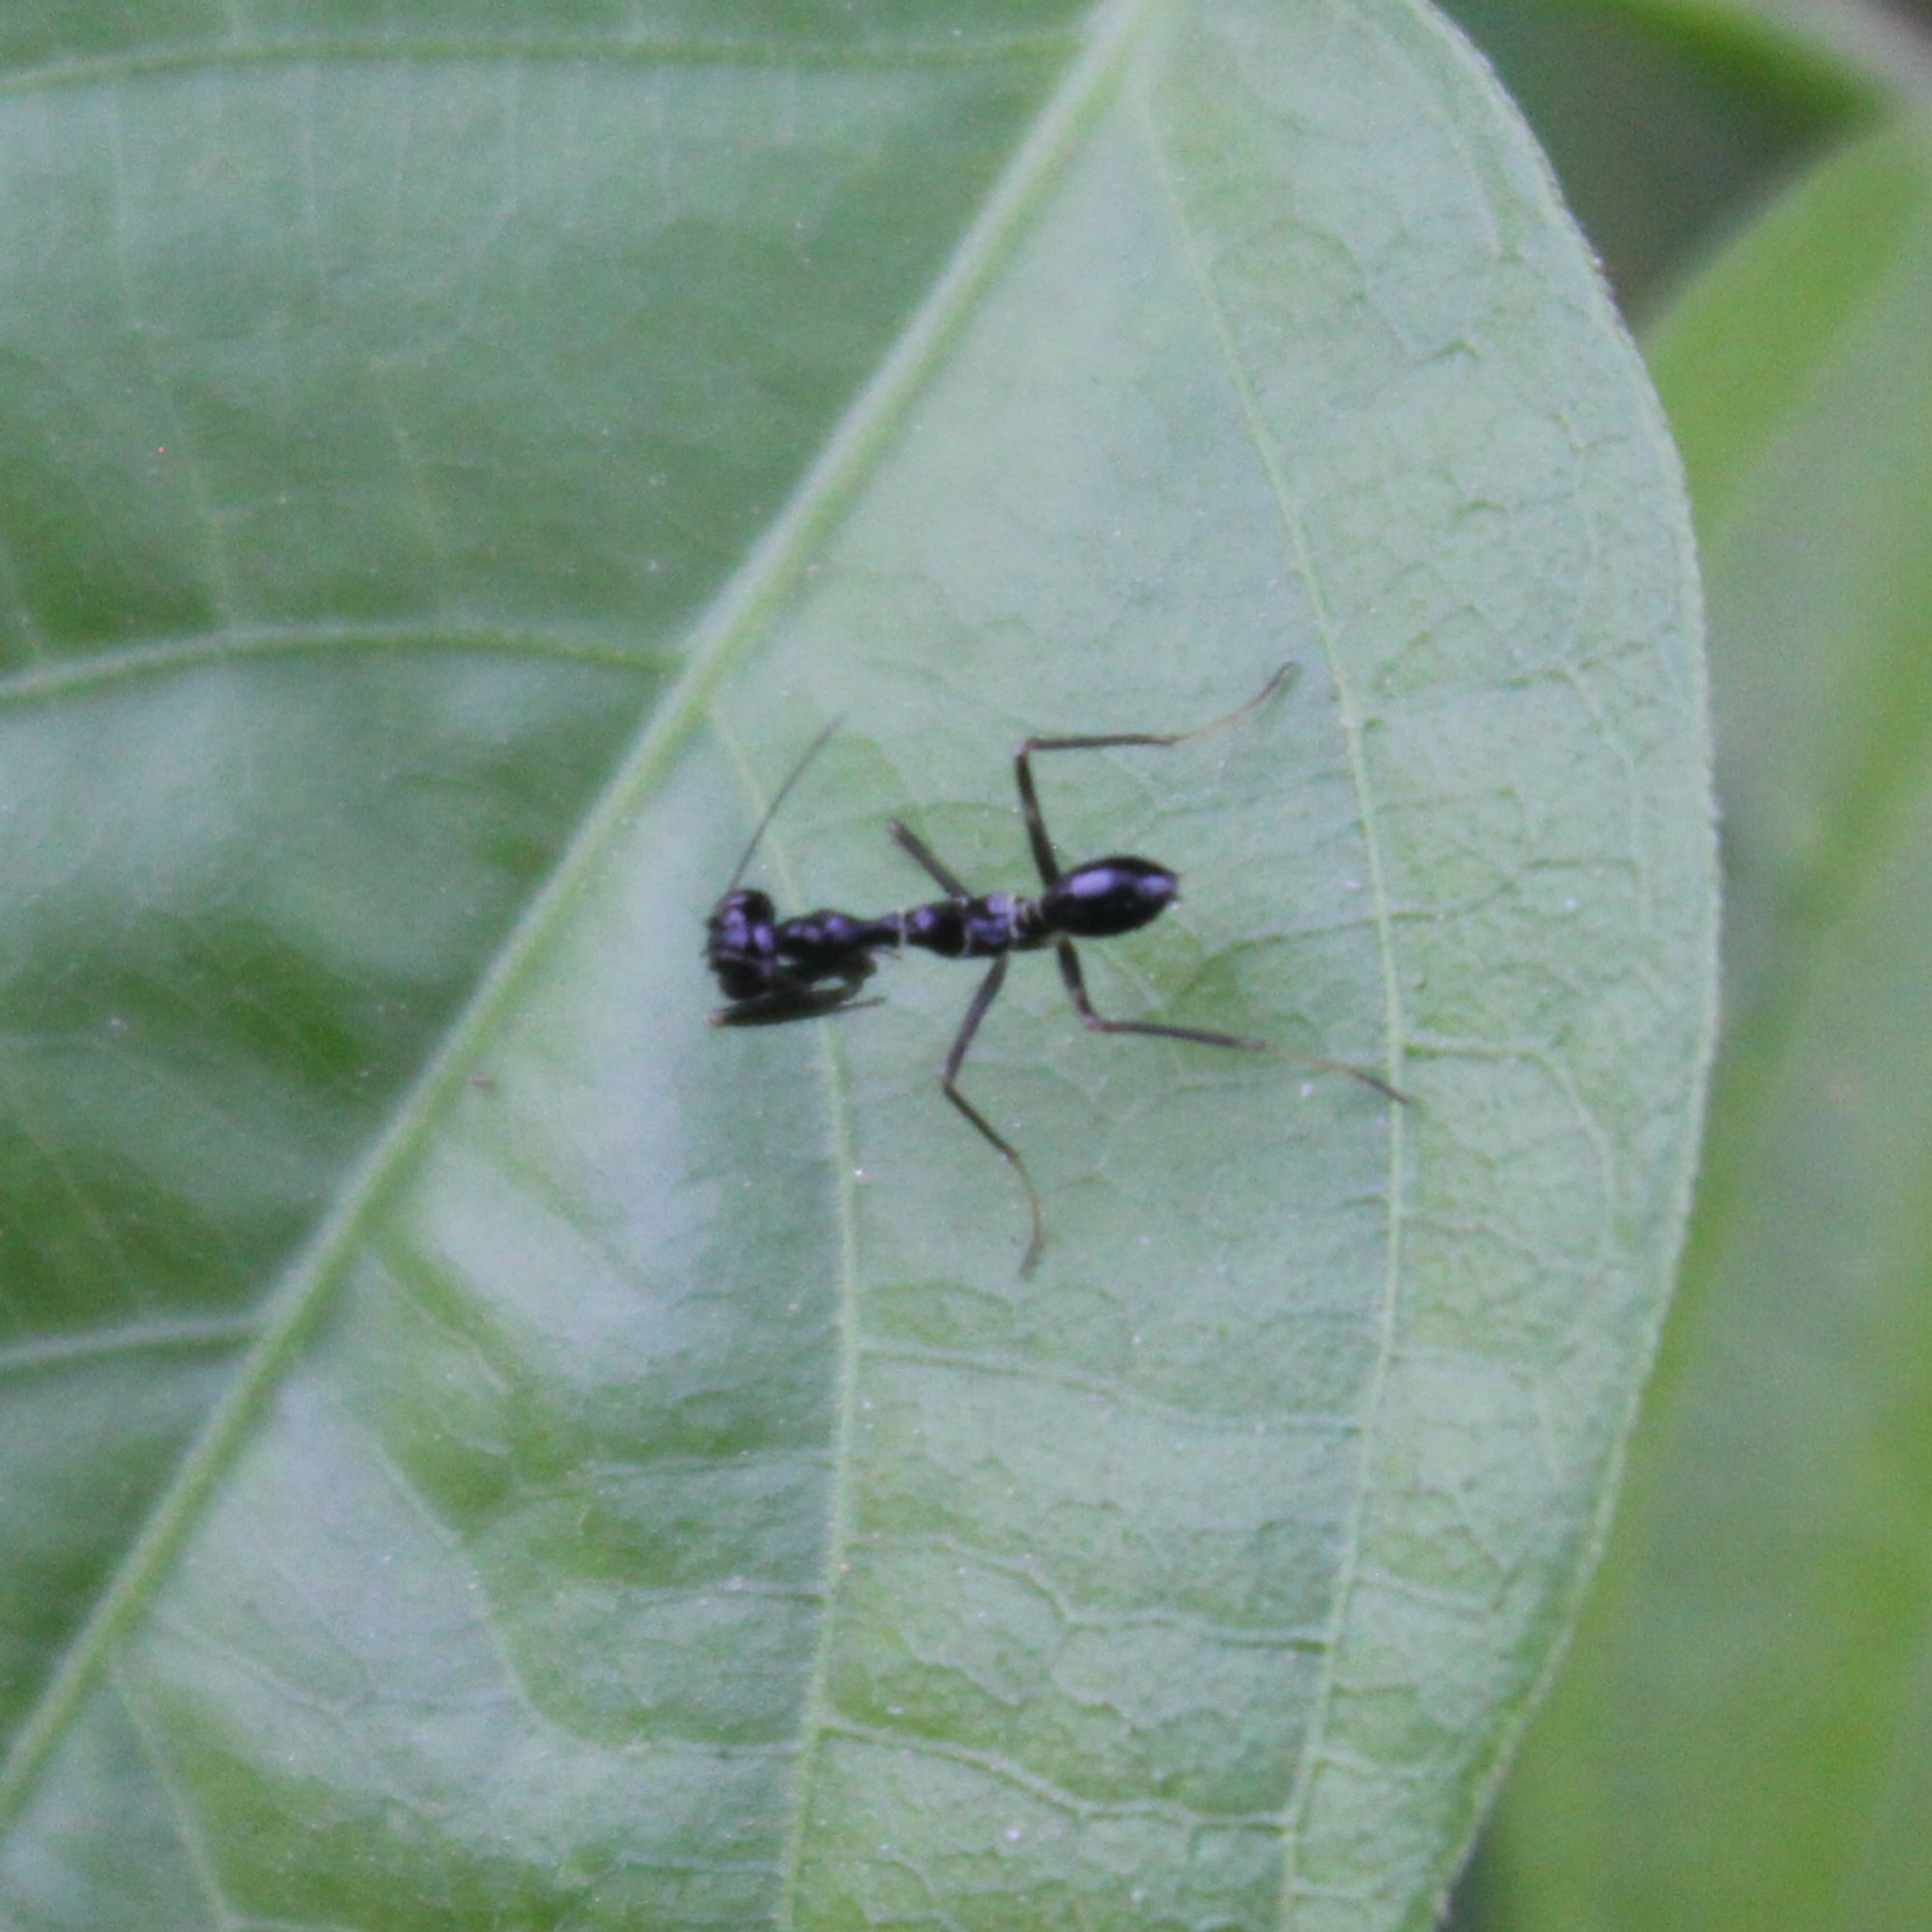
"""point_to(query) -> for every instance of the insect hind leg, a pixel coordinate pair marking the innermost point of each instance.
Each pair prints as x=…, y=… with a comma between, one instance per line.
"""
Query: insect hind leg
x=1076, y=991
x=1044, y=857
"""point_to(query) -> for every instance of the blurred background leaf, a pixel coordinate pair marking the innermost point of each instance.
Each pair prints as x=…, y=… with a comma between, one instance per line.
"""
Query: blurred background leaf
x=1742, y=1735
x=1666, y=123
x=476, y=1446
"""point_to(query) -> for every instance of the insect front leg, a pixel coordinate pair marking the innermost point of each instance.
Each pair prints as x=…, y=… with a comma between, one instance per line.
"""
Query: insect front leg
x=915, y=848
x=787, y=999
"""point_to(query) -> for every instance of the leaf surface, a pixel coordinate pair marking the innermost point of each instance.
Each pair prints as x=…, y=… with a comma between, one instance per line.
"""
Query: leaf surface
x=485, y=1448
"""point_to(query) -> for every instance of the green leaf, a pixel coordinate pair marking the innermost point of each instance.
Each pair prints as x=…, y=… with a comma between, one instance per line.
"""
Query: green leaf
x=484, y=1448
x=1739, y=1740
x=1670, y=121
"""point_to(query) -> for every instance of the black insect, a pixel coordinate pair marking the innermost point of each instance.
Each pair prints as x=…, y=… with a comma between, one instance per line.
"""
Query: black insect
x=772, y=970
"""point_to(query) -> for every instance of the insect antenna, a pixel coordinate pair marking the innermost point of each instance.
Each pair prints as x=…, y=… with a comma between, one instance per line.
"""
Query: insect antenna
x=796, y=773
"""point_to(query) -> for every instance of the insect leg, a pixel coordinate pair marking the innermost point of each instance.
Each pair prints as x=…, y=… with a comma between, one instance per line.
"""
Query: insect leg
x=789, y=999
x=916, y=847
x=1076, y=991
x=1044, y=854
x=990, y=988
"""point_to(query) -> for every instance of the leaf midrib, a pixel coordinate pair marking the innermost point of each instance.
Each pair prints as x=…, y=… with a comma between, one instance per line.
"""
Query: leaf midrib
x=729, y=625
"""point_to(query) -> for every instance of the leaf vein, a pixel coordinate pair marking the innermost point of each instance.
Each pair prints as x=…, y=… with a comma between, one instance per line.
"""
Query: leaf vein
x=1294, y=1819
x=57, y=1352
x=239, y=643
x=460, y=51
x=744, y=602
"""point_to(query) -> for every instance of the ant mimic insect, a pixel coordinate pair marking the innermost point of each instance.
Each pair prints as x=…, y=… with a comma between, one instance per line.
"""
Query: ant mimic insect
x=772, y=970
